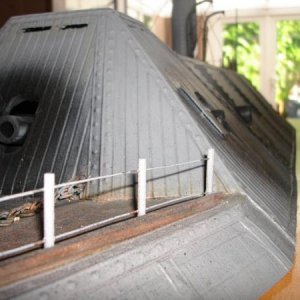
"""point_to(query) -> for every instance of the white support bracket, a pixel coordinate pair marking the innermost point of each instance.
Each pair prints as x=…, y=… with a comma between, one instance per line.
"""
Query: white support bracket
x=142, y=187
x=209, y=171
x=49, y=210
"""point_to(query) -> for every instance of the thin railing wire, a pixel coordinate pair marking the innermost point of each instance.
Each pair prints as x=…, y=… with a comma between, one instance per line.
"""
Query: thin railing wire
x=21, y=249
x=176, y=165
x=32, y=192
x=102, y=223
x=92, y=179
x=94, y=226
x=19, y=195
x=173, y=201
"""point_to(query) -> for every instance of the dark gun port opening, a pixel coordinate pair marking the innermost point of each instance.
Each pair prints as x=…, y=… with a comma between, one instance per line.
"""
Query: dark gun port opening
x=15, y=123
x=7, y=129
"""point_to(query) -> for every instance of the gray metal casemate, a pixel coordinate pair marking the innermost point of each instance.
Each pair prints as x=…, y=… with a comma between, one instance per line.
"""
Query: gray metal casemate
x=88, y=93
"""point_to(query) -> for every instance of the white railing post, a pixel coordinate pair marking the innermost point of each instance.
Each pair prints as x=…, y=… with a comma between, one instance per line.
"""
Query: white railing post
x=209, y=171
x=49, y=219
x=142, y=187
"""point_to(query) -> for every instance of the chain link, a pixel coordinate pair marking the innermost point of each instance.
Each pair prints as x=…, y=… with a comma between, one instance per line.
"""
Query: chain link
x=31, y=208
x=26, y=210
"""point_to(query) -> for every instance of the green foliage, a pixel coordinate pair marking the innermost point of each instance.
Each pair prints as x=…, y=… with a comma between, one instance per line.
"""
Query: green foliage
x=241, y=50
x=288, y=57
x=148, y=21
x=242, y=42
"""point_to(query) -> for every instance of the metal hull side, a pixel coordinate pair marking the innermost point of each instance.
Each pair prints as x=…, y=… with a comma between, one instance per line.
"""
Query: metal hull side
x=229, y=252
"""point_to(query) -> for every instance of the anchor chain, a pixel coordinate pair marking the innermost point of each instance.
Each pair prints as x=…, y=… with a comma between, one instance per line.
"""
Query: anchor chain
x=26, y=210
x=69, y=193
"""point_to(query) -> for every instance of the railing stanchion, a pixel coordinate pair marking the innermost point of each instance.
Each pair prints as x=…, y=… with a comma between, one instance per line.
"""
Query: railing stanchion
x=49, y=219
x=142, y=187
x=209, y=171
x=49, y=201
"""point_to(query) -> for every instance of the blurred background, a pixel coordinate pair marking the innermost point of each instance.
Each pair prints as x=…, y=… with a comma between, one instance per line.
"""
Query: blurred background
x=259, y=39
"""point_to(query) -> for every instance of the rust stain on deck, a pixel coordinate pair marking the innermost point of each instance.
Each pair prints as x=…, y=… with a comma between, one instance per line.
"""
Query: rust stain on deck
x=31, y=264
